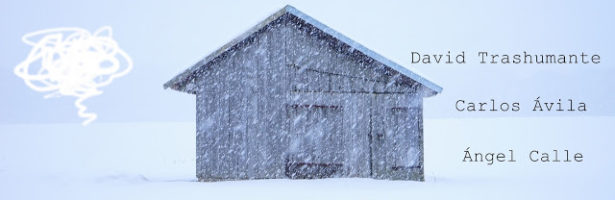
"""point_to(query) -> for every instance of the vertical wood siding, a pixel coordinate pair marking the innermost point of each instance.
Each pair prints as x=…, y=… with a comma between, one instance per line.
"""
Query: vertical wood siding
x=289, y=104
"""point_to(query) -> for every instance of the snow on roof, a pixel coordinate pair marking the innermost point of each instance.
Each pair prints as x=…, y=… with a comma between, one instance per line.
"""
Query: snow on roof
x=179, y=82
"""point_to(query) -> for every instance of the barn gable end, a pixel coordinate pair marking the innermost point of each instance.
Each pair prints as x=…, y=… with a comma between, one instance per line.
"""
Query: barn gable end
x=291, y=16
x=292, y=98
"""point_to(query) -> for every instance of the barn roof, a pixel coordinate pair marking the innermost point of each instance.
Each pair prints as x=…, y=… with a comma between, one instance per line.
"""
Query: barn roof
x=180, y=81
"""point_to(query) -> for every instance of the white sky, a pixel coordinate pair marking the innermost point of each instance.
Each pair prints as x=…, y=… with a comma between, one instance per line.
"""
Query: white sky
x=164, y=38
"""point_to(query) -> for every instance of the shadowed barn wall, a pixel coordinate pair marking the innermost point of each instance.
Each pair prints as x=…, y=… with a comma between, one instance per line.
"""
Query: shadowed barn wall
x=291, y=101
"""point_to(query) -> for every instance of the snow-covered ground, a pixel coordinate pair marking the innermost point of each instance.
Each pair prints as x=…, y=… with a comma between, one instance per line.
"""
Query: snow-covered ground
x=156, y=161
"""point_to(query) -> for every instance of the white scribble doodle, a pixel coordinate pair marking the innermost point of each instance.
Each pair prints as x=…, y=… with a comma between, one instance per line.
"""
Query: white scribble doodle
x=72, y=62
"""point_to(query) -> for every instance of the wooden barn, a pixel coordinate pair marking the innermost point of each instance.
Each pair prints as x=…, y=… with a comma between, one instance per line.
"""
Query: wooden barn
x=292, y=98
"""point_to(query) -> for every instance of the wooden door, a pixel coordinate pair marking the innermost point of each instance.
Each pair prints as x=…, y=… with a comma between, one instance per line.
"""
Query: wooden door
x=316, y=141
x=394, y=142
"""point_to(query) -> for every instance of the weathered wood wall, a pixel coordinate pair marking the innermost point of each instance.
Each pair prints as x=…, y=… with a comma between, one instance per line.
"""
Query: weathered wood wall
x=293, y=102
